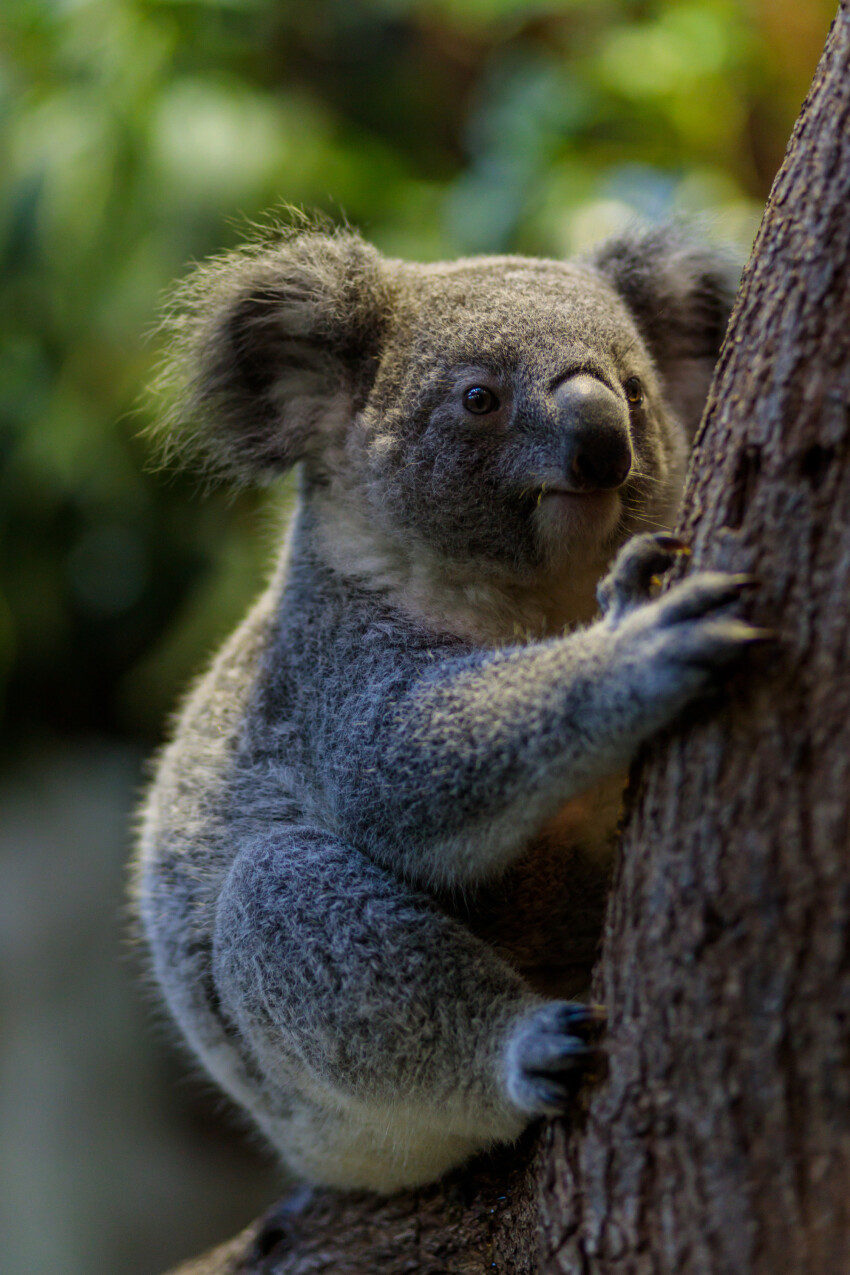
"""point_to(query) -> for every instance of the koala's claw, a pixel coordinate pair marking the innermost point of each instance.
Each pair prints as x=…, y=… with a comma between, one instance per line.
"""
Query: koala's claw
x=546, y=1053
x=579, y=1014
x=671, y=543
x=715, y=643
x=639, y=562
x=705, y=592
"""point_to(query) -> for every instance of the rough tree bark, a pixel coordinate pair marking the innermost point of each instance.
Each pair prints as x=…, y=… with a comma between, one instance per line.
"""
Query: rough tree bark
x=719, y=1142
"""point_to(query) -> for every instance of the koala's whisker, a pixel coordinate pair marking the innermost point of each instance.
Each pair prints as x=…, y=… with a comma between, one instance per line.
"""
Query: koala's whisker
x=636, y=506
x=645, y=477
x=654, y=523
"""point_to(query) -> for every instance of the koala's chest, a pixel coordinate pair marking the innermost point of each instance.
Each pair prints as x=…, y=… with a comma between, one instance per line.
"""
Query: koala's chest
x=545, y=915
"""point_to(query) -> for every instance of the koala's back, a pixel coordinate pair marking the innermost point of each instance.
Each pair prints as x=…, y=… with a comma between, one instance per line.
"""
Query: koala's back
x=185, y=842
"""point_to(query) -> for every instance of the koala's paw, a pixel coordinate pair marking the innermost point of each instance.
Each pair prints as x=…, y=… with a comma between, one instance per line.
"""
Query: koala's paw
x=629, y=582
x=546, y=1051
x=692, y=624
x=673, y=648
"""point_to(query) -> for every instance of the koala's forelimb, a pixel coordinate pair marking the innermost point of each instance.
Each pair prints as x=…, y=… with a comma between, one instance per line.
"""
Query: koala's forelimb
x=450, y=778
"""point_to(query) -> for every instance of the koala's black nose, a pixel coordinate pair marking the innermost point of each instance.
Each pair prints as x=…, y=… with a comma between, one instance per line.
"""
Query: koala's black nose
x=595, y=423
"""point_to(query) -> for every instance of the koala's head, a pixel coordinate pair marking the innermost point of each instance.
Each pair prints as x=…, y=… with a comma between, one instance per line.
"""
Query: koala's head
x=504, y=413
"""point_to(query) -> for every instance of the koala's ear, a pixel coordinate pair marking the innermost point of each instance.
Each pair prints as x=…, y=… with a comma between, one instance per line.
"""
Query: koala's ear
x=272, y=348
x=680, y=292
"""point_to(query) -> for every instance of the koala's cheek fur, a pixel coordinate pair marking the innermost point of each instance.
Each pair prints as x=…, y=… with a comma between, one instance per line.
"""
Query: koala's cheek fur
x=377, y=846
x=471, y=501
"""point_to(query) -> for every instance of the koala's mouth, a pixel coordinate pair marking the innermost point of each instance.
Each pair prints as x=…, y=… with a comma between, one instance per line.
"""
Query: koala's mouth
x=567, y=517
x=560, y=491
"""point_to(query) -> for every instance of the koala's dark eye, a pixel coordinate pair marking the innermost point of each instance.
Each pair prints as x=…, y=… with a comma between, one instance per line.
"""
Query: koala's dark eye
x=634, y=391
x=479, y=400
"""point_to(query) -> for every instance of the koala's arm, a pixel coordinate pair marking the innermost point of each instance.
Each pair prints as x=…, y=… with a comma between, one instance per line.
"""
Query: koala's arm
x=449, y=779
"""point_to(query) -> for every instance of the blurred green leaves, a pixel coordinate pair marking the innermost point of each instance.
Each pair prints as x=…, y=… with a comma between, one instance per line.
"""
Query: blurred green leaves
x=140, y=134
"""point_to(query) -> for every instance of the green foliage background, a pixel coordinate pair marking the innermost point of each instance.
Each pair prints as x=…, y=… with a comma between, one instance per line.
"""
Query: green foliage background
x=135, y=136
x=140, y=134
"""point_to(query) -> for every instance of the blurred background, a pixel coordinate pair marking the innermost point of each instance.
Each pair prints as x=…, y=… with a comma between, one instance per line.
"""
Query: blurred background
x=138, y=135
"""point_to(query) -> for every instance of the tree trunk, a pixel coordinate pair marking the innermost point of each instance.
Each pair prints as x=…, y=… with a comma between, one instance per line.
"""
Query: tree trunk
x=719, y=1142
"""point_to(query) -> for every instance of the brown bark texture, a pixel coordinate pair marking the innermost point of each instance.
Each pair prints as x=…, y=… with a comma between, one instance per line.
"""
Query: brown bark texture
x=719, y=1141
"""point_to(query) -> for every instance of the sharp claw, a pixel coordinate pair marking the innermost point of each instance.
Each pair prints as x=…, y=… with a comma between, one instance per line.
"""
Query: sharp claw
x=567, y=1060
x=570, y=1065
x=758, y=636
x=672, y=544
x=580, y=1013
x=593, y=1014
x=554, y=1096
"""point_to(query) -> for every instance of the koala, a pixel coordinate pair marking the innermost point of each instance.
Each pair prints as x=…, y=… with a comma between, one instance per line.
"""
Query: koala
x=373, y=859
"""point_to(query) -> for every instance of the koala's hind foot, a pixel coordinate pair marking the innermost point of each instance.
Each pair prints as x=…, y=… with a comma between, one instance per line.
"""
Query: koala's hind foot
x=368, y=1073
x=548, y=1051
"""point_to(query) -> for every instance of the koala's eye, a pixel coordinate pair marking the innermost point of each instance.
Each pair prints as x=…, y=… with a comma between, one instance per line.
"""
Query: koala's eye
x=479, y=400
x=634, y=391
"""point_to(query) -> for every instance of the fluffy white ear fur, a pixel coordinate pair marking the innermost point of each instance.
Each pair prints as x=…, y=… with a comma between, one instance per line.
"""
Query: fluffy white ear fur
x=270, y=348
x=681, y=295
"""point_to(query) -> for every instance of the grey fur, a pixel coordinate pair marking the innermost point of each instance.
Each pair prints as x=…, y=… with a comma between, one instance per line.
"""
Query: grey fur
x=378, y=844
